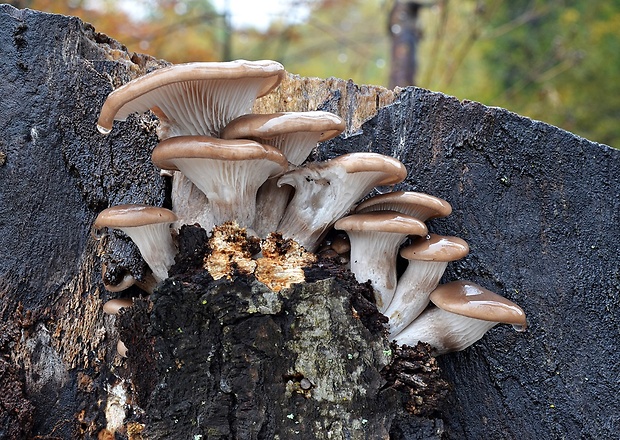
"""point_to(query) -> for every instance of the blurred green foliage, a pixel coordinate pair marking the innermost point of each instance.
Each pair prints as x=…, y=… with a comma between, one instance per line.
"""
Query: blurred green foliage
x=552, y=60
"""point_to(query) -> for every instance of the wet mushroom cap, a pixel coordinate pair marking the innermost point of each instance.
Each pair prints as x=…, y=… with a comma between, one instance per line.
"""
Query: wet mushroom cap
x=382, y=221
x=469, y=299
x=435, y=247
x=420, y=205
x=267, y=126
x=196, y=147
x=123, y=216
x=142, y=93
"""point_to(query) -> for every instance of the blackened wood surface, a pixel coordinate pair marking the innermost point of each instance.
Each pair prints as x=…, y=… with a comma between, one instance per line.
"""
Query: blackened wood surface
x=538, y=206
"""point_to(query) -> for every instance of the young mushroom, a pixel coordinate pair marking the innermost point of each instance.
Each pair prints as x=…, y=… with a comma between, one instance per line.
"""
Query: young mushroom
x=419, y=205
x=113, y=306
x=428, y=258
x=193, y=98
x=228, y=172
x=149, y=228
x=296, y=134
x=375, y=238
x=465, y=312
x=325, y=191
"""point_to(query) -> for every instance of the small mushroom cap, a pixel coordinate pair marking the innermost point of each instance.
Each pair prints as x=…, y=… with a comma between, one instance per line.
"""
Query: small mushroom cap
x=393, y=169
x=113, y=306
x=474, y=301
x=135, y=95
x=421, y=205
x=384, y=221
x=435, y=247
x=123, y=216
x=267, y=126
x=194, y=147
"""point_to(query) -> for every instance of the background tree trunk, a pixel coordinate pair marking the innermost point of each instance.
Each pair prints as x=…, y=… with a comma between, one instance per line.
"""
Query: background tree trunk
x=537, y=205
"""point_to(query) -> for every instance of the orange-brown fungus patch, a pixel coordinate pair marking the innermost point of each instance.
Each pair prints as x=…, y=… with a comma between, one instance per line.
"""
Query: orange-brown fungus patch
x=282, y=262
x=231, y=251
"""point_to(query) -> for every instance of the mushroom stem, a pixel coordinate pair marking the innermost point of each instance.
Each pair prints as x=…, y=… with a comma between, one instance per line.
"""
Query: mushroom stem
x=444, y=331
x=412, y=291
x=155, y=245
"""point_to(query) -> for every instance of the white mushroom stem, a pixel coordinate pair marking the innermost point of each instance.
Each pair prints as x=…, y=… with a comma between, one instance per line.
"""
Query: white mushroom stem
x=444, y=331
x=156, y=246
x=271, y=202
x=412, y=291
x=373, y=257
x=189, y=203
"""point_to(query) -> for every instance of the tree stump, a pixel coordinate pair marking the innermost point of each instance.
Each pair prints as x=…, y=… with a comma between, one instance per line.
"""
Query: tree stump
x=537, y=205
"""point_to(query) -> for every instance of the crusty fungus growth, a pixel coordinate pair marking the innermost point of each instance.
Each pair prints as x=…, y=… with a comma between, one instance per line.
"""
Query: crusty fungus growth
x=375, y=238
x=149, y=228
x=296, y=134
x=325, y=191
x=193, y=98
x=467, y=312
x=228, y=172
x=419, y=205
x=428, y=258
x=282, y=262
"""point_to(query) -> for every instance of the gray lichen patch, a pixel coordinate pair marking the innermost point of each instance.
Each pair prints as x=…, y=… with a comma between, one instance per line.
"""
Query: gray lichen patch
x=332, y=363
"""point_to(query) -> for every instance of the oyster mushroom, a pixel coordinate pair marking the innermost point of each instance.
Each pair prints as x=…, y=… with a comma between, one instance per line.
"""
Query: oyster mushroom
x=325, y=191
x=375, y=238
x=296, y=134
x=228, y=172
x=419, y=205
x=193, y=98
x=149, y=228
x=428, y=258
x=465, y=312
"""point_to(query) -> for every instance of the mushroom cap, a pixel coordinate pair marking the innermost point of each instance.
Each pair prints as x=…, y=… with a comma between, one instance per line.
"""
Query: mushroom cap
x=195, y=147
x=393, y=170
x=384, y=221
x=113, y=306
x=421, y=205
x=435, y=247
x=139, y=94
x=123, y=216
x=267, y=126
x=469, y=299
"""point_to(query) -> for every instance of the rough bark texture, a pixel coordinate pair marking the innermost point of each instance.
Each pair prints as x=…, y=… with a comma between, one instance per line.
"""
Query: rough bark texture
x=537, y=205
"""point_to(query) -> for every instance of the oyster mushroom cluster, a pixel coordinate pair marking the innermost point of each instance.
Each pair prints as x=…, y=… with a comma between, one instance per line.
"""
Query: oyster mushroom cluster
x=234, y=169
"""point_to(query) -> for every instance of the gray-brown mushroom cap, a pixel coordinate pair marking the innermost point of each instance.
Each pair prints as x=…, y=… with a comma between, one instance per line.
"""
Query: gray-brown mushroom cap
x=434, y=247
x=189, y=94
x=416, y=204
x=113, y=306
x=228, y=172
x=469, y=299
x=122, y=216
x=294, y=133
